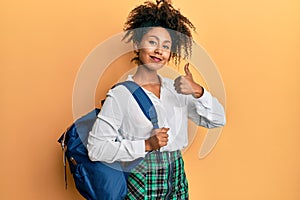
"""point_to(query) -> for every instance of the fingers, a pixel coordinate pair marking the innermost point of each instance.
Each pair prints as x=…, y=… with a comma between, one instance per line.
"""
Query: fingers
x=187, y=70
x=182, y=85
x=180, y=82
x=160, y=130
x=158, y=139
x=162, y=135
x=165, y=129
x=162, y=139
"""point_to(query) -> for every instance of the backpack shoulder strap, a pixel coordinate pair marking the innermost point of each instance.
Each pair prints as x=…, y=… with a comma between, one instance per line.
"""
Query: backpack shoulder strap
x=143, y=100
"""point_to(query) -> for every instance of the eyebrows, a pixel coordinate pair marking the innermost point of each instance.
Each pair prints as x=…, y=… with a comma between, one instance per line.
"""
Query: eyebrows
x=157, y=38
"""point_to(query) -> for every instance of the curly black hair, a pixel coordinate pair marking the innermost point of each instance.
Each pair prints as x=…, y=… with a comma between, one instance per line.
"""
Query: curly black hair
x=162, y=14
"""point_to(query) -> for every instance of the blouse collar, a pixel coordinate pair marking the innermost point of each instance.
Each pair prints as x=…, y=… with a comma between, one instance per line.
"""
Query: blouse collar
x=162, y=80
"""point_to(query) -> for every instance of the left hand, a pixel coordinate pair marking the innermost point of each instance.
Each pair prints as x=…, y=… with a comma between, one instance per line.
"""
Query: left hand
x=186, y=84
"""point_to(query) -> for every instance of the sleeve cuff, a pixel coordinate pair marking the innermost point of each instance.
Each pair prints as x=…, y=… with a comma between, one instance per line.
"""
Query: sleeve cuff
x=139, y=148
x=205, y=99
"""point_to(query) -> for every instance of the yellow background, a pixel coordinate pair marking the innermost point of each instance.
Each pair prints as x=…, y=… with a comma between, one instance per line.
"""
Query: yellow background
x=255, y=44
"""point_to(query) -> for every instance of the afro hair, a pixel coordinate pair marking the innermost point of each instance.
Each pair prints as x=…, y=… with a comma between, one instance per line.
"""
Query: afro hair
x=160, y=14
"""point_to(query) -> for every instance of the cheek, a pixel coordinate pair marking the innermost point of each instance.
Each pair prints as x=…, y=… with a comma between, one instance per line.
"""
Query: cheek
x=143, y=55
x=167, y=55
x=145, y=51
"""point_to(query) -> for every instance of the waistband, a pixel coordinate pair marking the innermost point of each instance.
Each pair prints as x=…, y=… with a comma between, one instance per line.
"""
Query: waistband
x=165, y=156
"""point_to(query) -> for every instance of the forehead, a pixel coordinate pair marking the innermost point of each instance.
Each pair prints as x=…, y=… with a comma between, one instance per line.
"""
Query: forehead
x=159, y=33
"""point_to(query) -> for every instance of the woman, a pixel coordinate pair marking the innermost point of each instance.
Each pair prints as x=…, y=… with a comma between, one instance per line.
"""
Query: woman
x=122, y=133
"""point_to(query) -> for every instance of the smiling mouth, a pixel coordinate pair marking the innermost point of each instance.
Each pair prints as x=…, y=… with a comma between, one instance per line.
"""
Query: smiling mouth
x=155, y=59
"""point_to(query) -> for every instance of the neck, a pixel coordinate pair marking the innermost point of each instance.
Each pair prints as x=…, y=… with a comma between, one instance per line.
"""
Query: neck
x=143, y=76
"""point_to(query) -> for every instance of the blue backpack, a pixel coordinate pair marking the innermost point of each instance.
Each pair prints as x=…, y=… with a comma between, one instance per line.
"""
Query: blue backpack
x=100, y=180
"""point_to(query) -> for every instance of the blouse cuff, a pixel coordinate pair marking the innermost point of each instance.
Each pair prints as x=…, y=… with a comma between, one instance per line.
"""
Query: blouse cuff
x=139, y=148
x=205, y=99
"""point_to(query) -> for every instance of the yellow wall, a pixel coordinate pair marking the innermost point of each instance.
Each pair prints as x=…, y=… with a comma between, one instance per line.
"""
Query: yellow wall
x=255, y=44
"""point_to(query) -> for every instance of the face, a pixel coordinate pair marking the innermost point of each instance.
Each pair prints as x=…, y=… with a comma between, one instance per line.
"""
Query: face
x=155, y=48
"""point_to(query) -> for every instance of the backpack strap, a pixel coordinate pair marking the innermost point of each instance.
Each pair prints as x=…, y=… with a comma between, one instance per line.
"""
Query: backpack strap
x=143, y=100
x=62, y=141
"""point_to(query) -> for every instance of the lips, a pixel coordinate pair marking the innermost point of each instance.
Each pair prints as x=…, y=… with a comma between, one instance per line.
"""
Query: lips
x=155, y=59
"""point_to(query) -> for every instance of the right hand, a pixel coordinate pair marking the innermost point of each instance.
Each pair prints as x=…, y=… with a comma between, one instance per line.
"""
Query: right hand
x=158, y=139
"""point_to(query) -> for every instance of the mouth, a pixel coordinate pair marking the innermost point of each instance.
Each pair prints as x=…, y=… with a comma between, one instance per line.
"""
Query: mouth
x=155, y=59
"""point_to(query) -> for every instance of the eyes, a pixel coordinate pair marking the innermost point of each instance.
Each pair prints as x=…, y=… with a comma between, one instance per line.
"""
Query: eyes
x=154, y=43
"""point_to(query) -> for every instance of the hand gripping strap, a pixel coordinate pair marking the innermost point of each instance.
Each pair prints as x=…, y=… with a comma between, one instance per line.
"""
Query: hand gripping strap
x=143, y=100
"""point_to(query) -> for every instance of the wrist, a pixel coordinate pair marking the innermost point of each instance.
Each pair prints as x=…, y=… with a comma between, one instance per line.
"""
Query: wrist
x=147, y=146
x=198, y=91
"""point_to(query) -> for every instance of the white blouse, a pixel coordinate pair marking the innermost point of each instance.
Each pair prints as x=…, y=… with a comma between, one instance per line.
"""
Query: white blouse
x=121, y=128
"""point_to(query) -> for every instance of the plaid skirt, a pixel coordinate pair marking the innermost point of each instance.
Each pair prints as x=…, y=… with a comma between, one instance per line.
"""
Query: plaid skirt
x=159, y=176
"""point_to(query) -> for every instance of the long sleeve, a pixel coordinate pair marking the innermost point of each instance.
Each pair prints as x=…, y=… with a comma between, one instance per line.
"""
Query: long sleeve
x=105, y=143
x=206, y=111
x=121, y=128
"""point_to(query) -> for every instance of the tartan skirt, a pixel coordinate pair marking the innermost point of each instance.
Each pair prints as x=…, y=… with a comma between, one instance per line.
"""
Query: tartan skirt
x=160, y=176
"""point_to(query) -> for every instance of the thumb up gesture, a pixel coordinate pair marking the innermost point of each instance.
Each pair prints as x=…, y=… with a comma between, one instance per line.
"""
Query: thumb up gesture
x=186, y=84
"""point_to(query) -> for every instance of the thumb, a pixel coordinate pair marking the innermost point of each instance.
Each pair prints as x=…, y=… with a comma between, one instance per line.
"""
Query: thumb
x=187, y=70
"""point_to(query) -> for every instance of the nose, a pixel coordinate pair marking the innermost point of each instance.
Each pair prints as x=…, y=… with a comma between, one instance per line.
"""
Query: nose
x=158, y=51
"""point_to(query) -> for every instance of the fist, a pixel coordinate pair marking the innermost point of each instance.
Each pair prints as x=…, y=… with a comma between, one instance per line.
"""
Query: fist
x=186, y=84
x=158, y=139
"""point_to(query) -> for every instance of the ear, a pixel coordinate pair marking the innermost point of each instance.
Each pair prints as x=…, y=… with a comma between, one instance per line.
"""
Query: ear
x=135, y=47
